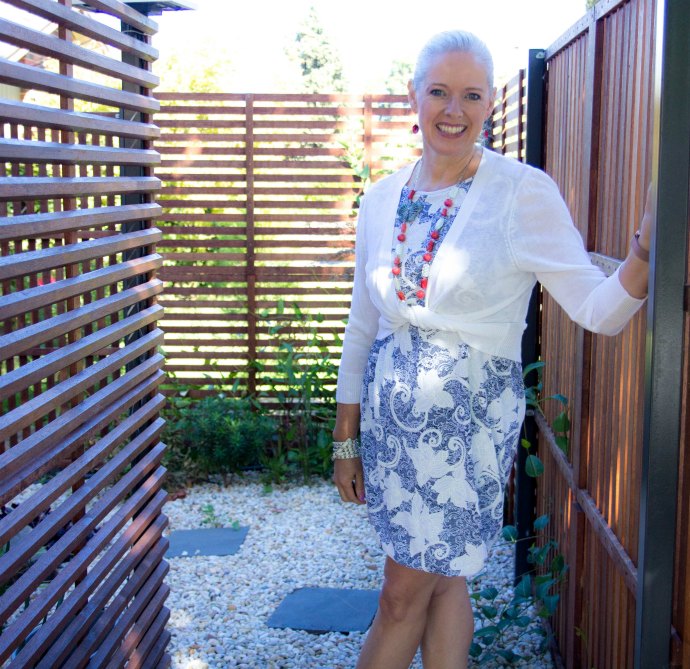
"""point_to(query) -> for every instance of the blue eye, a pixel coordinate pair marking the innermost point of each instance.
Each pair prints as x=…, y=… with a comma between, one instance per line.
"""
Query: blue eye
x=473, y=96
x=437, y=92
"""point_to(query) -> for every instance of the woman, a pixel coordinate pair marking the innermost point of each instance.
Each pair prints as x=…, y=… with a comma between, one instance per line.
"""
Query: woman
x=447, y=253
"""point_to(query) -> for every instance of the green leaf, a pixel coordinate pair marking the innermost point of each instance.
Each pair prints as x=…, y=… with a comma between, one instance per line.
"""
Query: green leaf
x=541, y=522
x=508, y=655
x=543, y=589
x=509, y=533
x=561, y=398
x=561, y=423
x=526, y=444
x=523, y=621
x=489, y=612
x=539, y=364
x=558, y=565
x=534, y=466
x=489, y=593
x=524, y=587
x=488, y=631
x=475, y=650
x=551, y=603
x=562, y=442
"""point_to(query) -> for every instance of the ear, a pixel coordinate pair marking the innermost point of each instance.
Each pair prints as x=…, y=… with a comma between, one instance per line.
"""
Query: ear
x=412, y=96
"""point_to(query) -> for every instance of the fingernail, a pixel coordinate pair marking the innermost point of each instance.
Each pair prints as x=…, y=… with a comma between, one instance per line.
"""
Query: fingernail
x=361, y=497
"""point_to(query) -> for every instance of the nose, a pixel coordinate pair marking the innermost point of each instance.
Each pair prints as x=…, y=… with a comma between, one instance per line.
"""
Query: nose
x=454, y=106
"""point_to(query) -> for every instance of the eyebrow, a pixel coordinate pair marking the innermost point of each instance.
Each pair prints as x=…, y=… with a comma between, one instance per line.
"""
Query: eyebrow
x=468, y=88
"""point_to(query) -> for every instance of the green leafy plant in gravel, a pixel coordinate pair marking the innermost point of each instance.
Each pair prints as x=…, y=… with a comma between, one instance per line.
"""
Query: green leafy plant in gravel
x=303, y=381
x=216, y=435
x=502, y=619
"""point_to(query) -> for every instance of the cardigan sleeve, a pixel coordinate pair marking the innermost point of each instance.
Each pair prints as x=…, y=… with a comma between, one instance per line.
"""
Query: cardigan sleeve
x=362, y=324
x=544, y=240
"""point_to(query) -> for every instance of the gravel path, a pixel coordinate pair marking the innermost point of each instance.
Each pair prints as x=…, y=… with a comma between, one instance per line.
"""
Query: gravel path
x=300, y=536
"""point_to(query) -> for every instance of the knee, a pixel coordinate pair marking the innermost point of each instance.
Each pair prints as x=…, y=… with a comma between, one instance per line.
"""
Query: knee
x=398, y=605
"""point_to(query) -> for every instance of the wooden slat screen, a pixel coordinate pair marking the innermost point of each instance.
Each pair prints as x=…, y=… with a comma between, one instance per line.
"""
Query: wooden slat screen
x=259, y=200
x=509, y=117
x=598, y=149
x=81, y=544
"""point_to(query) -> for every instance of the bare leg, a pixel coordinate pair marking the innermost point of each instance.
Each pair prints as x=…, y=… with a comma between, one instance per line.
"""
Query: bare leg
x=400, y=620
x=450, y=626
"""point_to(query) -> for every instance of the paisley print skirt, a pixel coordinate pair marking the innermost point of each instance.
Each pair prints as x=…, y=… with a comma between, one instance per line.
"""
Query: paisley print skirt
x=439, y=430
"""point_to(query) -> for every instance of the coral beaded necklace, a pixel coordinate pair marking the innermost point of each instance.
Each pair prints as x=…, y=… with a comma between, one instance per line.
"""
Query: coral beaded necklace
x=408, y=211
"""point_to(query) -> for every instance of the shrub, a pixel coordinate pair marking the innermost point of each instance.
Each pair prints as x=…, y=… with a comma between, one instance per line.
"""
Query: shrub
x=216, y=435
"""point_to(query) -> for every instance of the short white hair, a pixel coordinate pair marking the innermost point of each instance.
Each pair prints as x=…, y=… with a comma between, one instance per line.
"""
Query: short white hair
x=451, y=41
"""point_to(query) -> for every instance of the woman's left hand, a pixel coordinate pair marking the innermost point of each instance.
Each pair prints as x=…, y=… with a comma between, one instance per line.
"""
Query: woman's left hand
x=348, y=477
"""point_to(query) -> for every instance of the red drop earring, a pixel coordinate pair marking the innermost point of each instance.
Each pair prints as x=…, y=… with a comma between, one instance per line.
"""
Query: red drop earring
x=415, y=129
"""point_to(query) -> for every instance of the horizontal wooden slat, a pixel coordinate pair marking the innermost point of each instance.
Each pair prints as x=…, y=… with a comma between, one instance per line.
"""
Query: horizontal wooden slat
x=49, y=446
x=20, y=340
x=85, y=25
x=240, y=177
x=151, y=570
x=297, y=190
x=71, y=538
x=150, y=598
x=58, y=440
x=146, y=650
x=61, y=514
x=129, y=15
x=95, y=455
x=19, y=150
x=142, y=533
x=36, y=370
x=40, y=296
x=59, y=256
x=54, y=47
x=30, y=188
x=31, y=410
x=47, y=117
x=57, y=587
x=27, y=76
x=49, y=224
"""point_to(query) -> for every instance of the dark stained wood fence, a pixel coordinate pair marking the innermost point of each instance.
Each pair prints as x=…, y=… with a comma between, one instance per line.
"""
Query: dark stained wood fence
x=598, y=143
x=81, y=545
x=259, y=202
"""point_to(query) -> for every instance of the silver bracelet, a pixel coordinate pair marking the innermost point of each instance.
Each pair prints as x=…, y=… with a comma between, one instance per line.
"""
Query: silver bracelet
x=343, y=450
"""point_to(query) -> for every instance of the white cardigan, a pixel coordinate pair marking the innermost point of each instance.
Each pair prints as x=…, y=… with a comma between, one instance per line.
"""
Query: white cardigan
x=512, y=230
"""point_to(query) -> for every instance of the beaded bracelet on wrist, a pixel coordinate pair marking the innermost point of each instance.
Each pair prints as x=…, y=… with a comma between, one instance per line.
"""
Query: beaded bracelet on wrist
x=343, y=450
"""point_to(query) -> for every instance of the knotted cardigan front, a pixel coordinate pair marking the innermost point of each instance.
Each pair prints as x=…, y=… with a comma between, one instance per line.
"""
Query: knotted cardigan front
x=512, y=230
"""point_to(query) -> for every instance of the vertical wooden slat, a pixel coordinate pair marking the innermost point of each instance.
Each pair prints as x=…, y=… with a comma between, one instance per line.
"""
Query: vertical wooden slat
x=251, y=254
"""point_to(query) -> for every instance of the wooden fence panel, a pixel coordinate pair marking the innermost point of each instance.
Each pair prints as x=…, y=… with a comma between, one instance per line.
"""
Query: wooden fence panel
x=260, y=195
x=598, y=149
x=81, y=498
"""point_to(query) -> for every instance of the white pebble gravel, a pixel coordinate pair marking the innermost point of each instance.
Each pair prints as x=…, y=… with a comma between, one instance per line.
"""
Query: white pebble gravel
x=300, y=536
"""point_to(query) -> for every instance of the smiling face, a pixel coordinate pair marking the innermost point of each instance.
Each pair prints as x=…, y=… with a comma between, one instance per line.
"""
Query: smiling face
x=452, y=104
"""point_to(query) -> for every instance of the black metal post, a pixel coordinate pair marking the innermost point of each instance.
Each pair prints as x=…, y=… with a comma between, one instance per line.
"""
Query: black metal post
x=525, y=486
x=665, y=320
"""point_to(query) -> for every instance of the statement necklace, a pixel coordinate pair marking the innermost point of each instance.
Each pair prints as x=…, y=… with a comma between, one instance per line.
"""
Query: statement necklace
x=407, y=212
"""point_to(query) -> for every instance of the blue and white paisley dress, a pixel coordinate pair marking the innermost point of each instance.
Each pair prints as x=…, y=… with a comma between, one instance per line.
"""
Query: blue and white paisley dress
x=440, y=425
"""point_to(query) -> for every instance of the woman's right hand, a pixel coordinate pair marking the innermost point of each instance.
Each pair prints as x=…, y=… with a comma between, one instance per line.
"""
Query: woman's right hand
x=348, y=477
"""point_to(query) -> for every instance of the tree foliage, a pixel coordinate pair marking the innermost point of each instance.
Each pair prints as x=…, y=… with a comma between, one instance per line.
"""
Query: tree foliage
x=198, y=70
x=318, y=60
x=401, y=72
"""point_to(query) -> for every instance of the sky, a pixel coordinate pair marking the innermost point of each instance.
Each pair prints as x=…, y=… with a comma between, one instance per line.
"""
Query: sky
x=368, y=34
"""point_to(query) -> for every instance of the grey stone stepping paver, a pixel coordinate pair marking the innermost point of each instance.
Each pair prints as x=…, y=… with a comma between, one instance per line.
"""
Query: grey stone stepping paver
x=322, y=610
x=206, y=541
